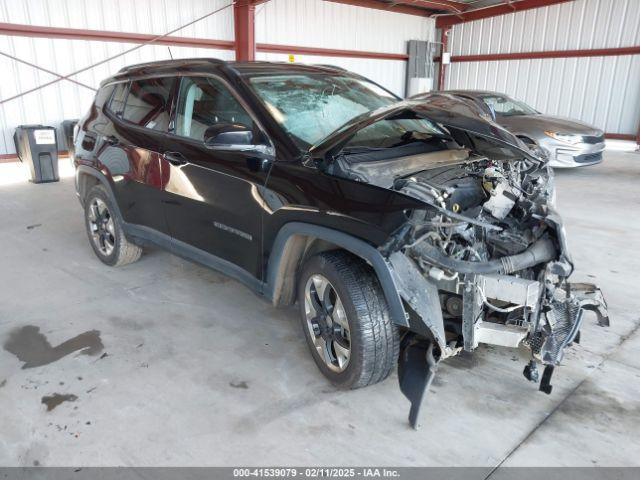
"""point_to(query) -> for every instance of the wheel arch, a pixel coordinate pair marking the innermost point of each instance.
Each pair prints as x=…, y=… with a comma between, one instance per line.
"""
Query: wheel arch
x=296, y=241
x=87, y=178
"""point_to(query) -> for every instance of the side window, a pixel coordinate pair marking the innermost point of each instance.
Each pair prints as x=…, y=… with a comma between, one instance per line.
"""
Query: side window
x=148, y=104
x=205, y=102
x=497, y=106
x=116, y=106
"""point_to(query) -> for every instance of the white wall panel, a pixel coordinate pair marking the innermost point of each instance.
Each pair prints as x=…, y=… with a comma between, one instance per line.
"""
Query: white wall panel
x=581, y=24
x=391, y=74
x=141, y=16
x=315, y=23
x=312, y=23
x=604, y=91
x=64, y=100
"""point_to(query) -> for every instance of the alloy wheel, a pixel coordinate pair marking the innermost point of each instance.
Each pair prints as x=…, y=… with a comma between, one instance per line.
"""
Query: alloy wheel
x=327, y=323
x=102, y=227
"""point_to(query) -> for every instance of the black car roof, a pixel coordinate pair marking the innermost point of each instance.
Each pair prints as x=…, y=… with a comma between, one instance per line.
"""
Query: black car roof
x=473, y=93
x=468, y=93
x=214, y=64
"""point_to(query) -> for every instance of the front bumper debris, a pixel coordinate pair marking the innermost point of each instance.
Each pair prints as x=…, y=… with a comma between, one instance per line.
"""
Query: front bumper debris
x=552, y=319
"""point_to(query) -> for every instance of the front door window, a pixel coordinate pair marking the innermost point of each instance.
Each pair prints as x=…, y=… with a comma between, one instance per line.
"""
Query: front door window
x=204, y=103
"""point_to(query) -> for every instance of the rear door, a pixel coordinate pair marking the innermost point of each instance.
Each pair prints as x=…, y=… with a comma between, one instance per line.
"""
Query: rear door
x=213, y=196
x=140, y=111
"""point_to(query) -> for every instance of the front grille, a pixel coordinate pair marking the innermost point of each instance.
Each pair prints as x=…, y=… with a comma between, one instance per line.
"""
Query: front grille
x=593, y=139
x=589, y=158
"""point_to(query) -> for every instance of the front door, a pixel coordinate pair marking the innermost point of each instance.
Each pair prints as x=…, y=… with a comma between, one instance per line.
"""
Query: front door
x=212, y=195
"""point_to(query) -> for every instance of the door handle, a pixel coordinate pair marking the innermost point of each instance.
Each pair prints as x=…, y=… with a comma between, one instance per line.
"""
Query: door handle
x=175, y=158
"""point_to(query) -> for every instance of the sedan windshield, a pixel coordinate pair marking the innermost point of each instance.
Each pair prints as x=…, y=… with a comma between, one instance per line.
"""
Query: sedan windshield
x=507, y=107
x=310, y=107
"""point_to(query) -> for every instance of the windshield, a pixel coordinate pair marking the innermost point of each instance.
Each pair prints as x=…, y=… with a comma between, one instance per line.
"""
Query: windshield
x=507, y=107
x=310, y=107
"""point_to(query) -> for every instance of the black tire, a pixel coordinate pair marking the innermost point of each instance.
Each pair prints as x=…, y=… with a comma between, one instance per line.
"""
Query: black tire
x=123, y=251
x=374, y=339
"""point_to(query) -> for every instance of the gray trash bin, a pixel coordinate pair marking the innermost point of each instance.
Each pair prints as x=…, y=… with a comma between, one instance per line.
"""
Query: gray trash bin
x=37, y=146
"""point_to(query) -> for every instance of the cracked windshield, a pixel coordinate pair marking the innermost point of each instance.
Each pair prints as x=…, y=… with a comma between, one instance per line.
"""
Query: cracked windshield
x=311, y=107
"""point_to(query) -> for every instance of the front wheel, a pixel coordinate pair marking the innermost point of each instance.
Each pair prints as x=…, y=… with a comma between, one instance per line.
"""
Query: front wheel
x=346, y=320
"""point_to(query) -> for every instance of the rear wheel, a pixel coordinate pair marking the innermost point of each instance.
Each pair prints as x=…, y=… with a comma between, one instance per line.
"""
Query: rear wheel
x=346, y=320
x=105, y=231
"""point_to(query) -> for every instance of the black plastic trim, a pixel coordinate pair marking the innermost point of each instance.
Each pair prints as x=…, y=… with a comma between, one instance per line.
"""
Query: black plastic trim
x=191, y=253
x=86, y=170
x=354, y=245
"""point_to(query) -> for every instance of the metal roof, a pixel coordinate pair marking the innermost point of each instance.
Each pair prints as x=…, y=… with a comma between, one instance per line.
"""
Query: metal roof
x=429, y=7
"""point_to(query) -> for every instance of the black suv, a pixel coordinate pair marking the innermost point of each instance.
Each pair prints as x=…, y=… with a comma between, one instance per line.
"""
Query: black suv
x=406, y=232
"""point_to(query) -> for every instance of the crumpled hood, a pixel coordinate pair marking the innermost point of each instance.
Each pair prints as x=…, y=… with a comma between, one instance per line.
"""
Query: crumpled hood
x=542, y=123
x=416, y=109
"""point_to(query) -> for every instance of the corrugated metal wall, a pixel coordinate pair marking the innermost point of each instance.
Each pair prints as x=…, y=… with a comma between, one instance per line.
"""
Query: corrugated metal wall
x=65, y=100
x=311, y=23
x=604, y=91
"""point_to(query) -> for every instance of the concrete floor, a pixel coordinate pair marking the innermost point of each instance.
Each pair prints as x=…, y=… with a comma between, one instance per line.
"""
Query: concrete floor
x=197, y=370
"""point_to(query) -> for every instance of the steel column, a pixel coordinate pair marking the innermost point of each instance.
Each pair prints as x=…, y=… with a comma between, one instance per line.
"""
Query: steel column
x=444, y=39
x=244, y=21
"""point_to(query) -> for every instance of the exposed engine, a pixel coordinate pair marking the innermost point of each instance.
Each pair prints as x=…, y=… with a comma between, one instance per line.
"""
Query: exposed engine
x=489, y=246
x=488, y=210
x=482, y=257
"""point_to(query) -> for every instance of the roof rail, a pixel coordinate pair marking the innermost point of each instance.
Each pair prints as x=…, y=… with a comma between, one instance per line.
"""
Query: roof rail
x=178, y=61
x=326, y=65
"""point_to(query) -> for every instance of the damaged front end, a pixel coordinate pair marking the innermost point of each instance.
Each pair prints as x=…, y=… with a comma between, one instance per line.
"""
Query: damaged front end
x=487, y=264
x=486, y=260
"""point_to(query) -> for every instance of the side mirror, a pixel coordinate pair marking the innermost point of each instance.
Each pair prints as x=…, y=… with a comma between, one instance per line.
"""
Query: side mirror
x=226, y=134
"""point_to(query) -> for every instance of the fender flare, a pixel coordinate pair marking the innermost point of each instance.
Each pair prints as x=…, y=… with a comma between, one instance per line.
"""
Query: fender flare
x=102, y=179
x=352, y=244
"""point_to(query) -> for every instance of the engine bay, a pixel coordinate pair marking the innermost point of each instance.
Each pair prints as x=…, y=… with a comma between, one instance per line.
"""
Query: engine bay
x=488, y=248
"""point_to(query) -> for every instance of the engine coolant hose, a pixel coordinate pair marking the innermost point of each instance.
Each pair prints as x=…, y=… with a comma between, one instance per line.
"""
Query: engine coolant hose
x=541, y=251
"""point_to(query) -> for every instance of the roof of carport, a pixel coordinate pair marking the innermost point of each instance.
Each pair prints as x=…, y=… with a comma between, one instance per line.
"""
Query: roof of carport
x=450, y=12
x=424, y=7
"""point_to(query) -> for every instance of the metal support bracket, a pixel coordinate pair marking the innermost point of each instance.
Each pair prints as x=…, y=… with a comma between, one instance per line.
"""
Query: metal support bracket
x=471, y=307
x=590, y=298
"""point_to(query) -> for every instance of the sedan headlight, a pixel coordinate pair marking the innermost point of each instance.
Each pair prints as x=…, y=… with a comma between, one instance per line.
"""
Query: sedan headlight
x=565, y=137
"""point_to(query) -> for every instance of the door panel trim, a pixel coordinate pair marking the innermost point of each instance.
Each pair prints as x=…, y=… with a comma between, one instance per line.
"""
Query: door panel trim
x=191, y=253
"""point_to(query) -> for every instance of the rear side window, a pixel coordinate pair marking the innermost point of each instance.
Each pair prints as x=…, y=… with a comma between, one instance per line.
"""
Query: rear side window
x=116, y=106
x=148, y=104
